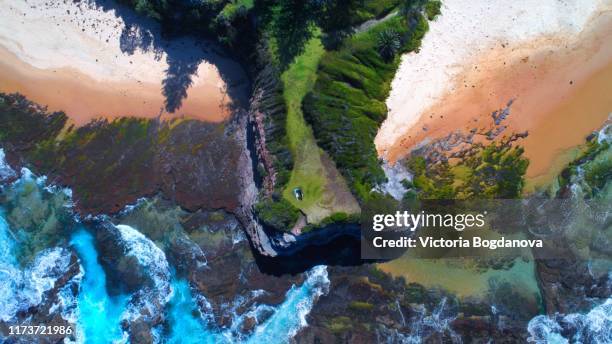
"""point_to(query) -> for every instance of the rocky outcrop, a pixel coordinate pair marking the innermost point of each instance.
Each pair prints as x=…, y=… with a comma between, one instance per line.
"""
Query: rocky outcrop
x=365, y=305
x=267, y=116
x=135, y=266
x=216, y=259
x=111, y=164
x=54, y=305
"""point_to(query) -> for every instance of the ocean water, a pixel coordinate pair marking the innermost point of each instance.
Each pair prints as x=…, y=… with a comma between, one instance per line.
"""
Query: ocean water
x=187, y=325
x=22, y=288
x=184, y=319
x=593, y=327
x=290, y=316
x=100, y=317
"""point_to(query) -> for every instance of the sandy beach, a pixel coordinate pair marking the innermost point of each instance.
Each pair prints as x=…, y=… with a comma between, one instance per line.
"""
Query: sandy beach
x=553, y=58
x=97, y=59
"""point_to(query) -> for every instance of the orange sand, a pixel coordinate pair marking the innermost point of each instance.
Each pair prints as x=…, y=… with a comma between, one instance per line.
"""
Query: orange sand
x=562, y=93
x=83, y=98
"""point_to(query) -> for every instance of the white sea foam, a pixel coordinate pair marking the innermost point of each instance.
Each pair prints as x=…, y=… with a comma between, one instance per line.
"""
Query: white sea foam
x=6, y=172
x=605, y=134
x=297, y=305
x=396, y=174
x=593, y=327
x=154, y=260
x=148, y=255
x=22, y=289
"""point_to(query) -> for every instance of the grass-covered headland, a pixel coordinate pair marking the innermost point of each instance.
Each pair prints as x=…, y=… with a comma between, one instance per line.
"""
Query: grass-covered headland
x=328, y=67
x=347, y=104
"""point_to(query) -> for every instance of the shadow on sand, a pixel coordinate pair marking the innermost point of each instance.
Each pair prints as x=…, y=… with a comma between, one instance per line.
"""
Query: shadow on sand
x=183, y=56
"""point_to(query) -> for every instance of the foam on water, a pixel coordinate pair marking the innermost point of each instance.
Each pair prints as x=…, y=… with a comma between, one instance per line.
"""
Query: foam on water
x=605, y=134
x=153, y=259
x=593, y=327
x=187, y=325
x=396, y=175
x=290, y=316
x=148, y=255
x=22, y=289
x=98, y=314
x=6, y=172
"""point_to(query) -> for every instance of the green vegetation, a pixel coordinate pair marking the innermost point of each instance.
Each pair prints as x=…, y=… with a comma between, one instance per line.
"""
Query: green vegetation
x=123, y=159
x=347, y=103
x=295, y=46
x=341, y=91
x=388, y=44
x=21, y=123
x=335, y=218
x=595, y=164
x=361, y=306
x=234, y=8
x=309, y=172
x=280, y=215
x=493, y=171
x=340, y=324
x=496, y=172
x=432, y=9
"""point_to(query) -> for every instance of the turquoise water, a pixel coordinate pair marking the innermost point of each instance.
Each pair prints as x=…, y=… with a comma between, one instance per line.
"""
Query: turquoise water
x=290, y=316
x=8, y=304
x=99, y=314
x=184, y=321
x=187, y=326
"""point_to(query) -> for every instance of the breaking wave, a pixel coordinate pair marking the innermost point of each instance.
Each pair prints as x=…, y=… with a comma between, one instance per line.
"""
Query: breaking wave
x=84, y=300
x=23, y=289
x=593, y=327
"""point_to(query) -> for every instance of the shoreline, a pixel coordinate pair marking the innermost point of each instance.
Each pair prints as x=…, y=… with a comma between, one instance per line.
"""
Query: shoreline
x=94, y=62
x=84, y=99
x=549, y=75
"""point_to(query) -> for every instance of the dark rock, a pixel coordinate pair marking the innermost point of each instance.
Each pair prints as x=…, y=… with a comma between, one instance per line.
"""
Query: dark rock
x=140, y=332
x=249, y=324
x=123, y=273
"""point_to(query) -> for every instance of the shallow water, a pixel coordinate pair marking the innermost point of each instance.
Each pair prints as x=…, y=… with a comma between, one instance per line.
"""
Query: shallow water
x=99, y=316
x=457, y=277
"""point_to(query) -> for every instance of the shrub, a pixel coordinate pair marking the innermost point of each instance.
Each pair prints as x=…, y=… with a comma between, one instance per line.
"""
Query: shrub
x=432, y=9
x=279, y=215
x=361, y=306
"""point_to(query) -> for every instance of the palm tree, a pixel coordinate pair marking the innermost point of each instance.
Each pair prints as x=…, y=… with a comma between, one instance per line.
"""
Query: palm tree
x=389, y=43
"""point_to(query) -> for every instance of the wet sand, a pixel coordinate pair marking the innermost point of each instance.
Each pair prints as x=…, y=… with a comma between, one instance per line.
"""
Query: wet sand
x=83, y=98
x=560, y=84
x=100, y=60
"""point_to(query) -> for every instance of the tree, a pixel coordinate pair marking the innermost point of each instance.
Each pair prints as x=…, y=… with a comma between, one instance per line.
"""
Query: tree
x=388, y=44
